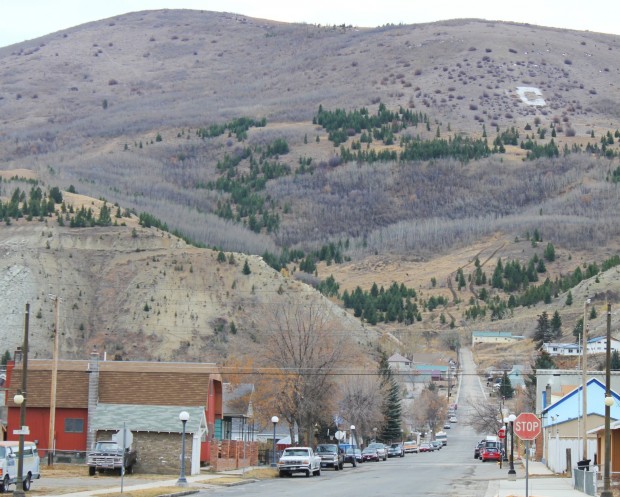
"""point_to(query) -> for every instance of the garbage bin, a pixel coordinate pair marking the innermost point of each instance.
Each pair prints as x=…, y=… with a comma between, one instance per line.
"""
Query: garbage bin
x=584, y=465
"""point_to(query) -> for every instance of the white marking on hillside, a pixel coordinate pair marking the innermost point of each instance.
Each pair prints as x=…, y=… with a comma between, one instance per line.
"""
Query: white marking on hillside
x=531, y=95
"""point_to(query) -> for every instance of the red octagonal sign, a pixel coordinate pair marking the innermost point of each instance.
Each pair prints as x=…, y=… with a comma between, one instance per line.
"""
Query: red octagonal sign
x=527, y=426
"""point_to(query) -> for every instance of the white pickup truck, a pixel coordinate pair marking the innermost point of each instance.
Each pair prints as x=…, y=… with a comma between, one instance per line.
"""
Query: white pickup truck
x=299, y=460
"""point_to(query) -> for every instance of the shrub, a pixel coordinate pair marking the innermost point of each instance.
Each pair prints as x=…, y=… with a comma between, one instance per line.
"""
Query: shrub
x=112, y=82
x=570, y=132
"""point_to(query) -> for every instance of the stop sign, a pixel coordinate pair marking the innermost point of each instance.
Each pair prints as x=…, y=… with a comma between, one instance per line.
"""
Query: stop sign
x=501, y=433
x=527, y=426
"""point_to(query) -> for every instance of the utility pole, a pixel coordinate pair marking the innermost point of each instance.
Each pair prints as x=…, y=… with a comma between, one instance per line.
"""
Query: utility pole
x=52, y=429
x=609, y=401
x=23, y=397
x=584, y=381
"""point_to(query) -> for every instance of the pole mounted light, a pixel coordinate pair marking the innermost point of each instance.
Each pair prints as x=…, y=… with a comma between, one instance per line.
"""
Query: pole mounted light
x=182, y=481
x=274, y=420
x=511, y=419
x=506, y=421
x=353, y=445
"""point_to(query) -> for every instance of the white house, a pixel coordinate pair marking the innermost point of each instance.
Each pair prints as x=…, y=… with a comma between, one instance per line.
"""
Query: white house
x=554, y=348
x=494, y=337
x=597, y=345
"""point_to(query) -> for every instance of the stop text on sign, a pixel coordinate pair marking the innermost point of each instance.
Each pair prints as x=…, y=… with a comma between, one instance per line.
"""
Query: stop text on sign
x=527, y=426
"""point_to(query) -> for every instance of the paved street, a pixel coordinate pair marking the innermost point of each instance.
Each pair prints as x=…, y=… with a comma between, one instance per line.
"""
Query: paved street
x=451, y=471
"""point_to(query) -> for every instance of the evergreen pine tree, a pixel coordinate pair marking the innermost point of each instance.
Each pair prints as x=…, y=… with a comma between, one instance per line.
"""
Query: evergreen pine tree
x=569, y=298
x=578, y=329
x=556, y=325
x=614, y=364
x=543, y=330
x=6, y=357
x=391, y=404
x=505, y=387
x=246, y=268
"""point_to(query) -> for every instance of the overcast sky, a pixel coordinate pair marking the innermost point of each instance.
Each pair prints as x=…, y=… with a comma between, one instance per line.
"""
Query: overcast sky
x=26, y=19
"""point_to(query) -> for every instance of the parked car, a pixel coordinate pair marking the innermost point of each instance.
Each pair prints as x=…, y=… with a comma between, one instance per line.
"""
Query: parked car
x=381, y=449
x=370, y=454
x=453, y=419
x=447, y=426
x=479, y=446
x=299, y=460
x=353, y=455
x=411, y=446
x=331, y=456
x=396, y=450
x=490, y=454
x=9, y=455
x=437, y=445
x=426, y=447
x=108, y=454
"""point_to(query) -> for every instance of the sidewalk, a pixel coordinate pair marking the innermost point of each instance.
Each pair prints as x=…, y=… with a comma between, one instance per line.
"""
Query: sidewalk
x=542, y=483
x=195, y=483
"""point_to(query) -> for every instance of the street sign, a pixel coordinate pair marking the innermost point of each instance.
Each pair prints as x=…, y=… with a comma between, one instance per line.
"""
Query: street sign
x=25, y=430
x=501, y=433
x=527, y=426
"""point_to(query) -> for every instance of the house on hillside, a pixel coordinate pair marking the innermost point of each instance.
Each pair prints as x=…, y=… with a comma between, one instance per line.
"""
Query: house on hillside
x=598, y=345
x=561, y=349
x=516, y=376
x=96, y=398
x=494, y=337
x=561, y=424
x=399, y=363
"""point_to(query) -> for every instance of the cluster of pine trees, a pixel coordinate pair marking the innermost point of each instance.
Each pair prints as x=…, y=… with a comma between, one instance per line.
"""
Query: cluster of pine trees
x=378, y=304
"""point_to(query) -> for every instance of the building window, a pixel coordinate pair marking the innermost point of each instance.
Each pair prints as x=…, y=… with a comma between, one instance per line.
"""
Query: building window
x=74, y=425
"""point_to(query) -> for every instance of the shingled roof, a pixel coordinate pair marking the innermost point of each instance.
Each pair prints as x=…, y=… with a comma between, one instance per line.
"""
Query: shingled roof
x=120, y=382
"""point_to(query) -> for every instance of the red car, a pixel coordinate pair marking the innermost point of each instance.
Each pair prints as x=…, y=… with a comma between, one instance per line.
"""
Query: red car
x=490, y=454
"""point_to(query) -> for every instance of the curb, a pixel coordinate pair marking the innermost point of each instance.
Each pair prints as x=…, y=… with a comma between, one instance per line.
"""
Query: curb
x=180, y=494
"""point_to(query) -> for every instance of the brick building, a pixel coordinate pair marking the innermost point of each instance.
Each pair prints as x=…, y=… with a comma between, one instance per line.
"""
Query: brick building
x=96, y=398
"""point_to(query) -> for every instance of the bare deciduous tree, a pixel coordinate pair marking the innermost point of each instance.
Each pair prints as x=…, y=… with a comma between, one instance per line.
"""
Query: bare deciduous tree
x=361, y=402
x=430, y=408
x=305, y=351
x=485, y=417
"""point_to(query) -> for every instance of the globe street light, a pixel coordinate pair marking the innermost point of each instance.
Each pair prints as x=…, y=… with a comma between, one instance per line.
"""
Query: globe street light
x=374, y=430
x=182, y=481
x=353, y=445
x=511, y=419
x=19, y=400
x=274, y=420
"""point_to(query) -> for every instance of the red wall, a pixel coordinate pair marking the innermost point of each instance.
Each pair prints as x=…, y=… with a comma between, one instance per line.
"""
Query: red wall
x=38, y=421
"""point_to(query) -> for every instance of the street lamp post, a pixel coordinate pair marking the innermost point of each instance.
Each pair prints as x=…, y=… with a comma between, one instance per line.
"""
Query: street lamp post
x=182, y=481
x=511, y=419
x=21, y=402
x=505, y=456
x=609, y=401
x=353, y=445
x=374, y=430
x=274, y=420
